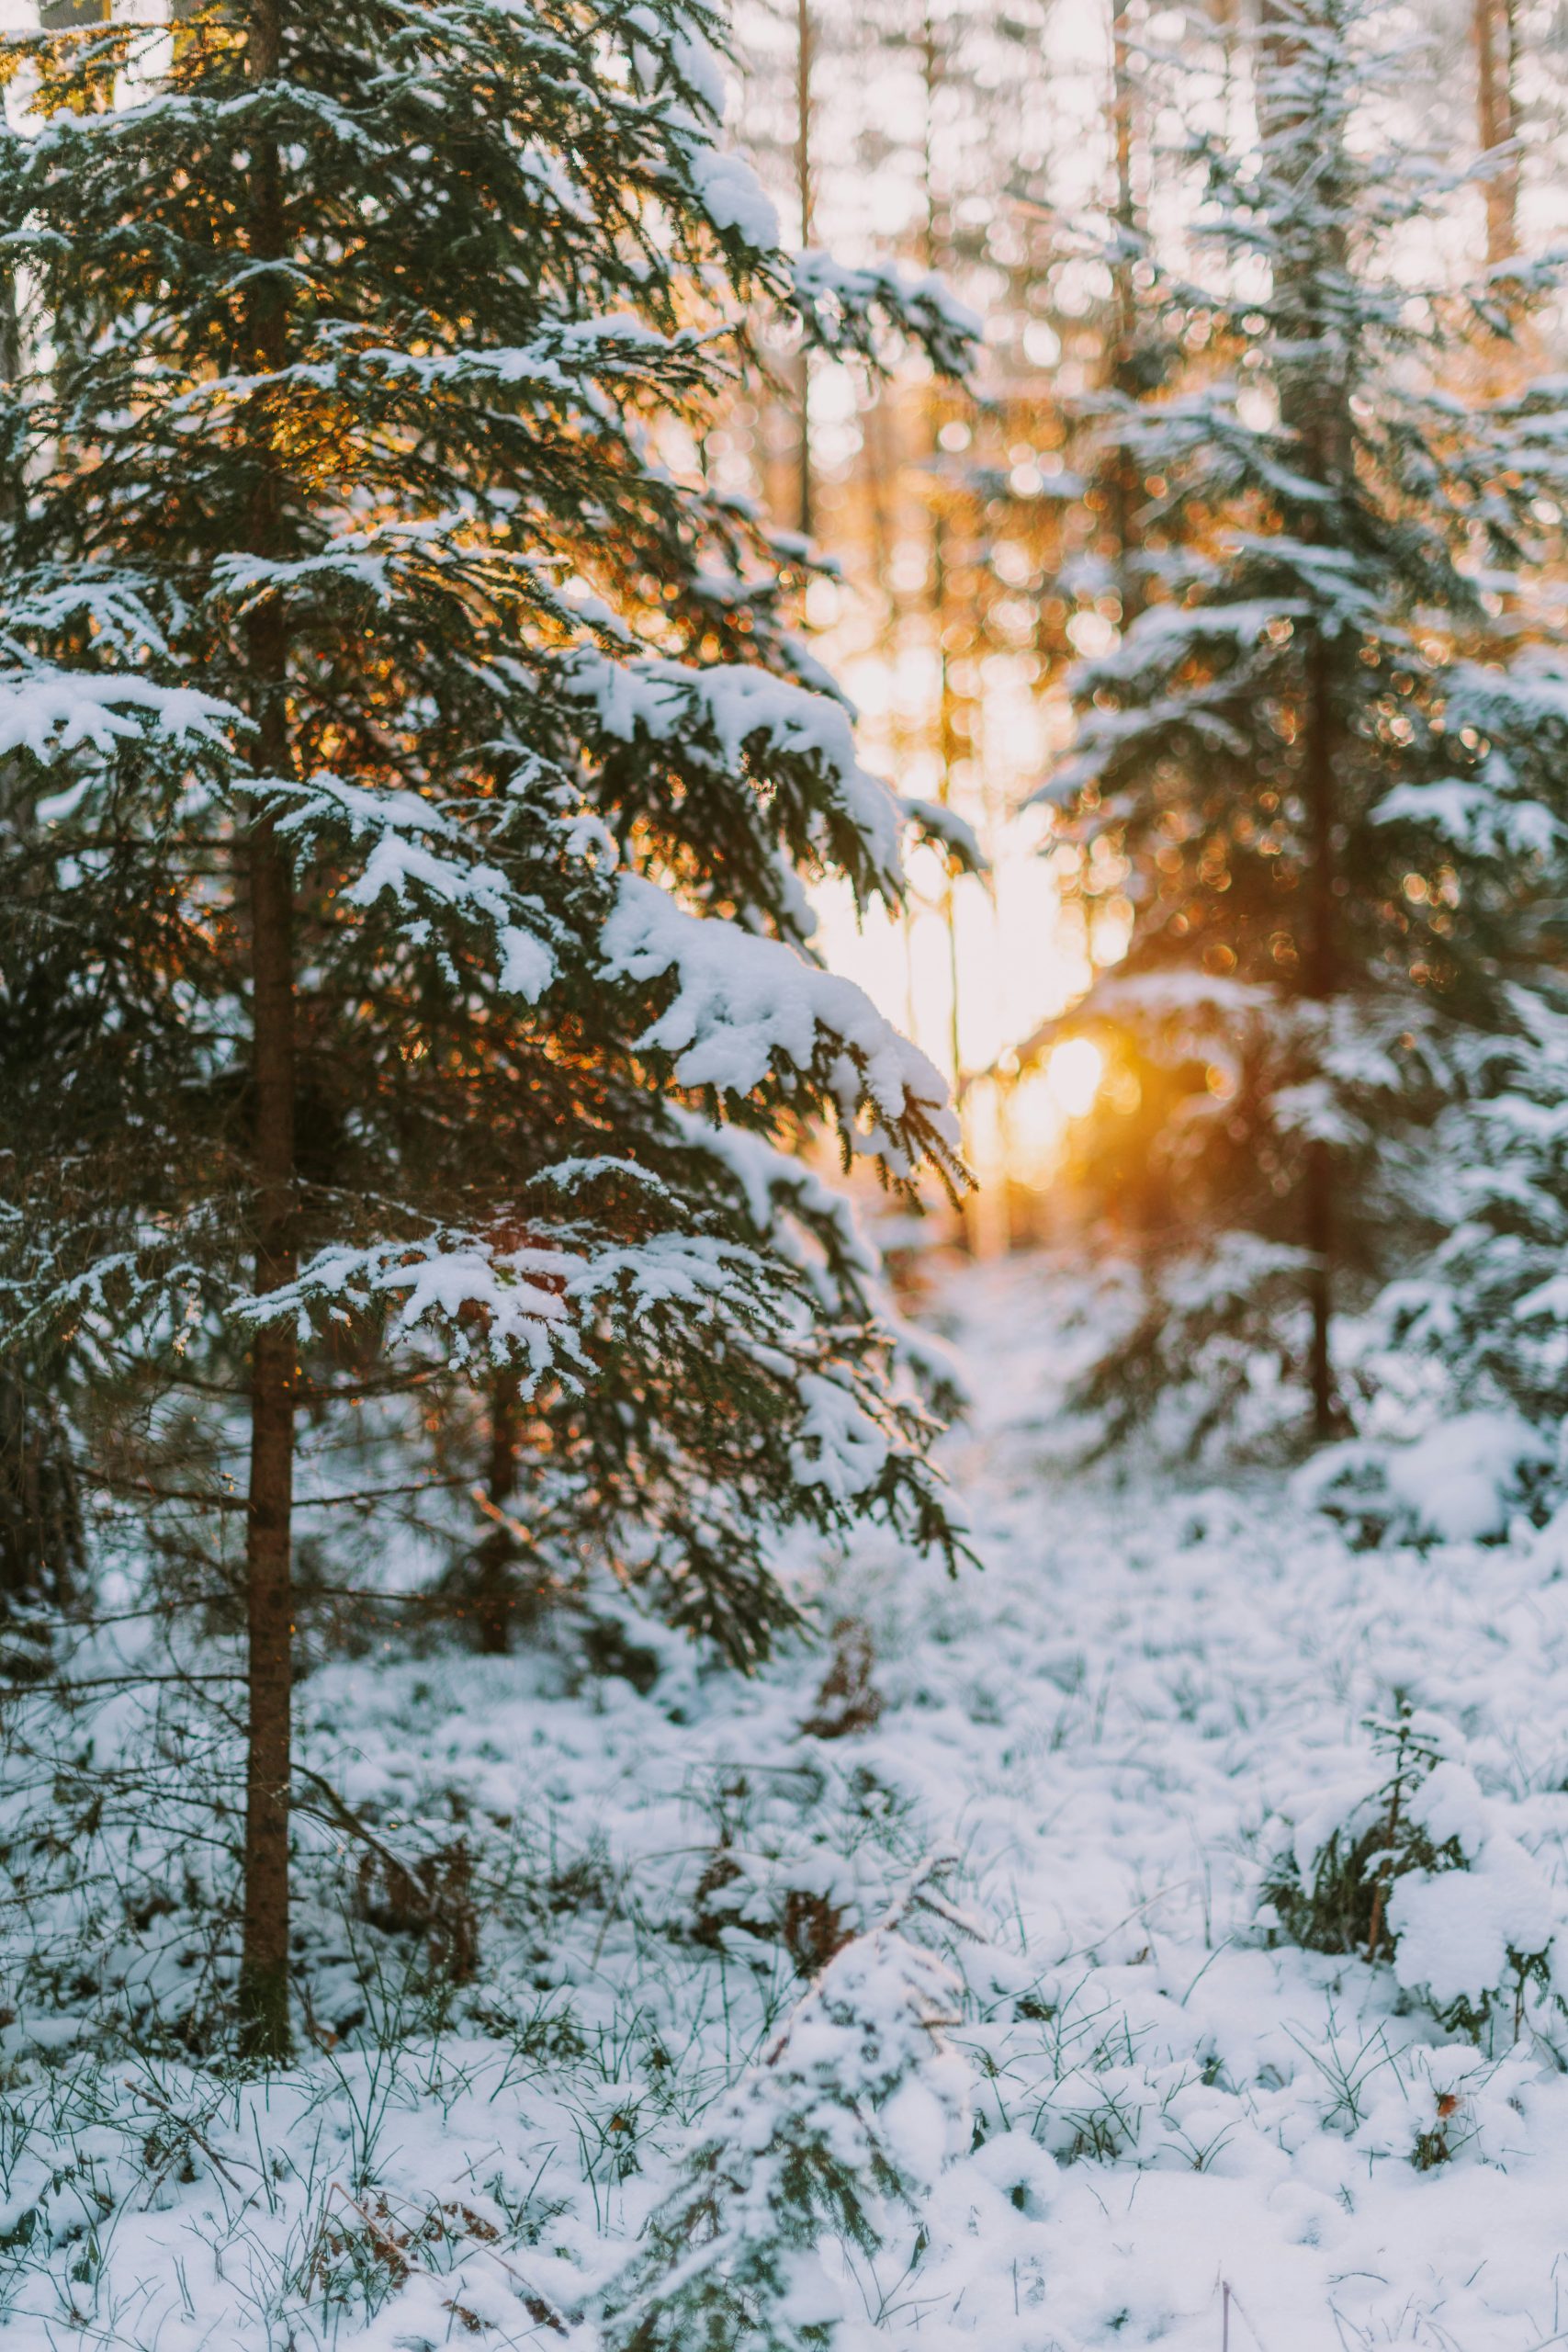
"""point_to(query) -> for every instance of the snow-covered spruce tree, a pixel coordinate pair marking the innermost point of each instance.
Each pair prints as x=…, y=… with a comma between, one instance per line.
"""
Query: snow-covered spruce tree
x=410, y=794
x=1303, y=764
x=1490, y=1304
x=825, y=2148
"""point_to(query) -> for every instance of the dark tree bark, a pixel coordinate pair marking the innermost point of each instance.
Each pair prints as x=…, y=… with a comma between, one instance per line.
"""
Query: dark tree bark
x=264, y=1968
x=42, y=1547
x=1314, y=405
x=495, y=1577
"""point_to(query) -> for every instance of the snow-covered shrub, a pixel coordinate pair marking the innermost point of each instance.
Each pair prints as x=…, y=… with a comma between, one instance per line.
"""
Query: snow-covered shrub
x=1422, y=1870
x=1428, y=2107
x=828, y=2144
x=430, y=1897
x=1488, y=1308
x=806, y=1900
x=1463, y=1481
x=1190, y=1349
x=799, y=1863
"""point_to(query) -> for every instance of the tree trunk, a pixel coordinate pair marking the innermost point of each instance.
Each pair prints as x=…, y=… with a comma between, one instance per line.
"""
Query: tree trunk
x=10, y=370
x=935, y=255
x=805, y=58
x=495, y=1582
x=1124, y=484
x=263, y=1966
x=41, y=1543
x=1495, y=120
x=1322, y=976
x=1315, y=406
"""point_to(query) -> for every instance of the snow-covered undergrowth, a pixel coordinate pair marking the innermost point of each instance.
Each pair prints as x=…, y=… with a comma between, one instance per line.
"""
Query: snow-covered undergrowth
x=1154, y=2089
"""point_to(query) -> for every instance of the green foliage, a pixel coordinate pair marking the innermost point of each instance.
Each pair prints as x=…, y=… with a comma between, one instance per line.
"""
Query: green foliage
x=367, y=353
x=1421, y=1873
x=805, y=2154
x=1322, y=763
x=1337, y=1901
x=1488, y=1304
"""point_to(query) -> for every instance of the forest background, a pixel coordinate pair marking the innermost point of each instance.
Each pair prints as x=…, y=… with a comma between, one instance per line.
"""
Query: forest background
x=974, y=548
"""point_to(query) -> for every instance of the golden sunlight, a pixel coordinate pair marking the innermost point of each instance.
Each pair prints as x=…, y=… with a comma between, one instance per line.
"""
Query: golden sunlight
x=1074, y=1073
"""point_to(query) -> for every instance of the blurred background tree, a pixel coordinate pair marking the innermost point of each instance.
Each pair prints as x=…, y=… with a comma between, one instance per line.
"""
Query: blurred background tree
x=982, y=562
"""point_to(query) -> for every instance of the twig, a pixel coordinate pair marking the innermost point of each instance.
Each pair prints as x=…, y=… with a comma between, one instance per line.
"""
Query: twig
x=539, y=2308
x=67, y=1685
x=1232, y=2303
x=184, y=2124
x=1381, y=1884
x=344, y=1816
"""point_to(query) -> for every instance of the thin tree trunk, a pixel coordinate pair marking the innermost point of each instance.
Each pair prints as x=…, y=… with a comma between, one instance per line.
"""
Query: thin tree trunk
x=263, y=1969
x=1322, y=976
x=1494, y=31
x=1123, y=480
x=263, y=1966
x=1124, y=483
x=805, y=57
x=10, y=371
x=495, y=1595
x=1316, y=409
x=933, y=254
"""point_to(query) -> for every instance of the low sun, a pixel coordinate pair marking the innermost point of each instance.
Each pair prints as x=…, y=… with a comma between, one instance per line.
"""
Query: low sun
x=1073, y=1075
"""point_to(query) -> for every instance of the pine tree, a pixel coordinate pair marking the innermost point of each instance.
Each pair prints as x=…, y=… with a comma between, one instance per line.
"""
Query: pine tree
x=1489, y=1305
x=1304, y=764
x=415, y=782
x=830, y=2142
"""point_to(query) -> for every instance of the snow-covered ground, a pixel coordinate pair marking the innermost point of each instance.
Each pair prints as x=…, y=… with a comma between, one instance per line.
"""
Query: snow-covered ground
x=1173, y=2110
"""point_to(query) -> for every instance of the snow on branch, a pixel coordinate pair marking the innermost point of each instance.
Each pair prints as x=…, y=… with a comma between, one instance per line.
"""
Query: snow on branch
x=775, y=1185
x=743, y=1004
x=840, y=1447
x=49, y=711
x=732, y=197
x=851, y=313
x=1473, y=814
x=426, y=861
x=946, y=831
x=1504, y=807
x=740, y=708
x=524, y=1305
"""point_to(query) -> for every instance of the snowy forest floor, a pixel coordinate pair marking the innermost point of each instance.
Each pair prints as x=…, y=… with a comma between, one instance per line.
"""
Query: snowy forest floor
x=1103, y=1724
